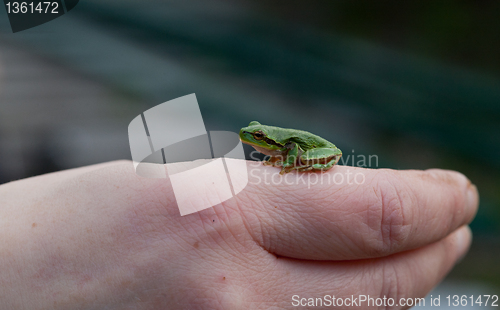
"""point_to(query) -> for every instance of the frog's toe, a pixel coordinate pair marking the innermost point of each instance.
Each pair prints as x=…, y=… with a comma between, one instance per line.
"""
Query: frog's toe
x=287, y=169
x=322, y=167
x=306, y=168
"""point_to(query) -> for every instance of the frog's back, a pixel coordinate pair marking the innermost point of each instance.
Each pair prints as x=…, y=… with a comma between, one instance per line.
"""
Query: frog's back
x=304, y=139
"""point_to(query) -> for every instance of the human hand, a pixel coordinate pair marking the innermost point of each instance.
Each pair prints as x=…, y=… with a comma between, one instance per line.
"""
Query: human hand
x=101, y=237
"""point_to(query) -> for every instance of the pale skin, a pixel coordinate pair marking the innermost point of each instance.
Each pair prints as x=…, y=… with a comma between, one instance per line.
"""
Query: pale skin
x=100, y=237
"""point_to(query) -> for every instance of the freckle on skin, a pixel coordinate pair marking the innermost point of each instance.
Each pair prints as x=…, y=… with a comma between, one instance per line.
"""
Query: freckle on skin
x=33, y=225
x=196, y=244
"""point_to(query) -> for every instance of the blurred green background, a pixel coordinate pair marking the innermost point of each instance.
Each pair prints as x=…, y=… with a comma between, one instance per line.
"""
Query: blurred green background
x=417, y=83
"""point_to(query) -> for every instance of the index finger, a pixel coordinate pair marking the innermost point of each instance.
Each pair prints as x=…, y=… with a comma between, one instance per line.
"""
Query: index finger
x=391, y=211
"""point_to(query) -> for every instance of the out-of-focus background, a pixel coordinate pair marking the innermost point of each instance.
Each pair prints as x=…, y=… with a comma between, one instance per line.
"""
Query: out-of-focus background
x=416, y=83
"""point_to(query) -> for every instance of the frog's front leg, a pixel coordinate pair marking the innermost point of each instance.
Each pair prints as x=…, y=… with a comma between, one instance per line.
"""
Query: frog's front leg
x=275, y=161
x=291, y=158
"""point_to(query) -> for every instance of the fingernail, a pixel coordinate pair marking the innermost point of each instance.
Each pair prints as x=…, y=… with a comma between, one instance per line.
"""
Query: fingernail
x=464, y=237
x=472, y=198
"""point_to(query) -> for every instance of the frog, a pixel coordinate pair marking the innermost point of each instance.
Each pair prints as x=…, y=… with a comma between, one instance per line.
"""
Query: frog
x=290, y=149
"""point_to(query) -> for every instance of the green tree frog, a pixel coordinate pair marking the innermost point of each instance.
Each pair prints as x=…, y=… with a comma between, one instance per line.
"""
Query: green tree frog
x=291, y=149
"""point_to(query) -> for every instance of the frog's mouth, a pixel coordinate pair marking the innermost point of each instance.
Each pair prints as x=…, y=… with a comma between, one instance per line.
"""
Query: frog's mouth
x=265, y=139
x=267, y=151
x=276, y=150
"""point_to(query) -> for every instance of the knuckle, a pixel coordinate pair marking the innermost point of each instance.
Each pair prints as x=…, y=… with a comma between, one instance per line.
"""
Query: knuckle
x=391, y=216
x=394, y=284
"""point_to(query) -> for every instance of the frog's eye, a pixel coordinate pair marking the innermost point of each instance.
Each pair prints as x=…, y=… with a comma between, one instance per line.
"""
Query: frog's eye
x=258, y=135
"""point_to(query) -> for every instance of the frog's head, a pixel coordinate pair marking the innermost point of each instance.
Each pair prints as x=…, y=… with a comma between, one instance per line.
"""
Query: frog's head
x=256, y=135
